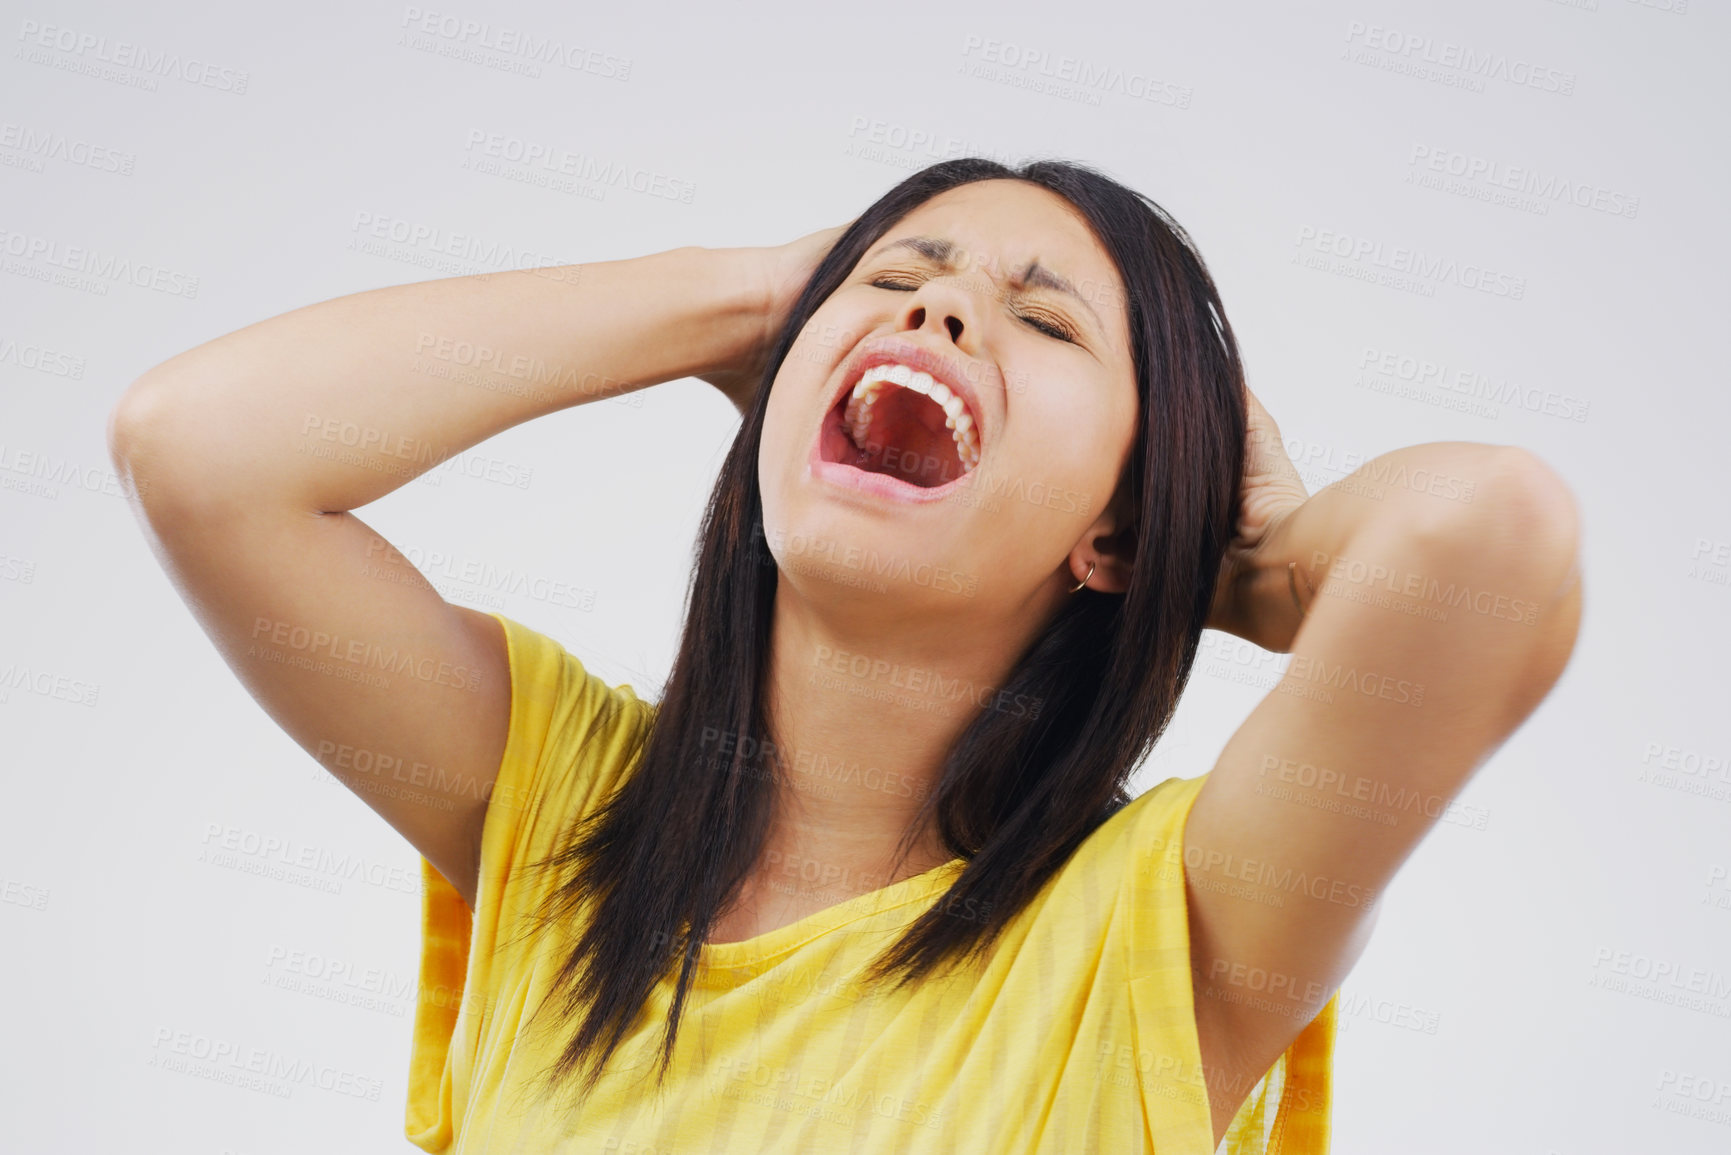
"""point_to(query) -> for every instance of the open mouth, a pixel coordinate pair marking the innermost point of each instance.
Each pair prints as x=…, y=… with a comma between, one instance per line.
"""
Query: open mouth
x=901, y=423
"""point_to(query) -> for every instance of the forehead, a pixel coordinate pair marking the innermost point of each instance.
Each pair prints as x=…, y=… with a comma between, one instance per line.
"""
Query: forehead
x=999, y=227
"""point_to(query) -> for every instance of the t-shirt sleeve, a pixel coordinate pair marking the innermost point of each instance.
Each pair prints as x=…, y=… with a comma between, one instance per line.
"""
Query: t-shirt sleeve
x=571, y=740
x=1287, y=1111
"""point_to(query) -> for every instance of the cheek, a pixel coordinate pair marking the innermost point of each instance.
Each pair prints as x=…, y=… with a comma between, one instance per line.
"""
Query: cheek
x=1055, y=500
x=791, y=393
x=802, y=379
x=774, y=456
x=1076, y=444
x=825, y=340
x=776, y=419
x=1063, y=471
x=789, y=424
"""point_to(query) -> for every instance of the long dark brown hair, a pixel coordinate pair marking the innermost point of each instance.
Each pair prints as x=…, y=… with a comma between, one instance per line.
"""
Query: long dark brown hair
x=650, y=871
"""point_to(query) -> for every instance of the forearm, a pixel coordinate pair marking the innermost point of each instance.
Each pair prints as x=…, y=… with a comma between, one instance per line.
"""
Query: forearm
x=1353, y=531
x=332, y=406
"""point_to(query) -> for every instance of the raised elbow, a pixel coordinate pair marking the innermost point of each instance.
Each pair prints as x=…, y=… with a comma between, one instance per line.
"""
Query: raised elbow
x=127, y=419
x=1498, y=506
x=137, y=424
x=153, y=436
x=1534, y=518
x=1530, y=508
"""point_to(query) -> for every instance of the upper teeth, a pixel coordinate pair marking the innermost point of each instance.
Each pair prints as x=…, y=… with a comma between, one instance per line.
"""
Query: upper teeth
x=957, y=418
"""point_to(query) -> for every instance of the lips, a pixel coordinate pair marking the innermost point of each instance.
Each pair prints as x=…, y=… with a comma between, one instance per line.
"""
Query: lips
x=921, y=439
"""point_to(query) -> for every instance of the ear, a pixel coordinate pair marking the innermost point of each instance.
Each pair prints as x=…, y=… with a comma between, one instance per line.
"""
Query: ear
x=1109, y=546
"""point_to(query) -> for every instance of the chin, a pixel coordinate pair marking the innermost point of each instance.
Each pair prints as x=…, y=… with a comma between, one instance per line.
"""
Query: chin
x=839, y=547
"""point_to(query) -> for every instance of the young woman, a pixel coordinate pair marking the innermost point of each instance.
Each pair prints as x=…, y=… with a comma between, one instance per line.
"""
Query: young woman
x=867, y=876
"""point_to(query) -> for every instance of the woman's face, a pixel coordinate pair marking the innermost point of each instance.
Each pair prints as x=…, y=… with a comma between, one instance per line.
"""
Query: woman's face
x=998, y=291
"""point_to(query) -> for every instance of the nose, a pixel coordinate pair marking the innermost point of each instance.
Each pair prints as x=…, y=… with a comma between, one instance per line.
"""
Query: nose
x=940, y=305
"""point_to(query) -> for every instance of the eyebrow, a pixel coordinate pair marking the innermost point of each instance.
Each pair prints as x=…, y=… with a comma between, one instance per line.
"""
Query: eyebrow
x=942, y=251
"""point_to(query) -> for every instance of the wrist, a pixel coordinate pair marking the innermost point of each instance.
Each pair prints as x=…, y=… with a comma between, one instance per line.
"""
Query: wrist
x=738, y=288
x=1266, y=587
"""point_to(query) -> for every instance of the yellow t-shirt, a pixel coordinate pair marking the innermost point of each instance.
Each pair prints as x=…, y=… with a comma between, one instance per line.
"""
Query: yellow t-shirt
x=1077, y=1034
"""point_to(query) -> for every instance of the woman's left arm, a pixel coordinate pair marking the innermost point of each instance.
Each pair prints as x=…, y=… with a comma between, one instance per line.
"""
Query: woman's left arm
x=1429, y=601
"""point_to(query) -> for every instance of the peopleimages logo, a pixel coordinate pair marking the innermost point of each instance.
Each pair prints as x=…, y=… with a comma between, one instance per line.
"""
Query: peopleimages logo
x=1469, y=383
x=357, y=652
x=86, y=46
x=871, y=138
x=1410, y=262
x=54, y=471
x=94, y=263
x=41, y=145
x=22, y=677
x=799, y=546
x=436, y=241
x=924, y=681
x=257, y=1068
x=584, y=167
x=1497, y=176
x=1413, y=49
x=40, y=358
x=513, y=42
x=1069, y=77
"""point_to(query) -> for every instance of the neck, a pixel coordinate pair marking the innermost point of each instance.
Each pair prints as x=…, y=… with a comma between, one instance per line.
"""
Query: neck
x=864, y=708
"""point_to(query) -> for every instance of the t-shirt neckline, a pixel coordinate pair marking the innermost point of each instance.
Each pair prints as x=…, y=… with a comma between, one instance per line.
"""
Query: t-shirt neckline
x=783, y=939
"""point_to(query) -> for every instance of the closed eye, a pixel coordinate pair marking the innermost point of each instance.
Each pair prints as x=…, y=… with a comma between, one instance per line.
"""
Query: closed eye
x=1053, y=329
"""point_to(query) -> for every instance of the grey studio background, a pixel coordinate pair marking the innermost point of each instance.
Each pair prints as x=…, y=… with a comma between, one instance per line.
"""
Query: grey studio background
x=1497, y=221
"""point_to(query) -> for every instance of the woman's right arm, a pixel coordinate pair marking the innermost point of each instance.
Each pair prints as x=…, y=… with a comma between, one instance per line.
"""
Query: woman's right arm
x=248, y=454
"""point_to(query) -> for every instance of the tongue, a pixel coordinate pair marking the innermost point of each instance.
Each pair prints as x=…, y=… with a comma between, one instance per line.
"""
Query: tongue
x=908, y=440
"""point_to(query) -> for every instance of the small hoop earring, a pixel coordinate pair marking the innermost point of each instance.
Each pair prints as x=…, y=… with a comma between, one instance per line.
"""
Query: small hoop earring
x=1085, y=580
